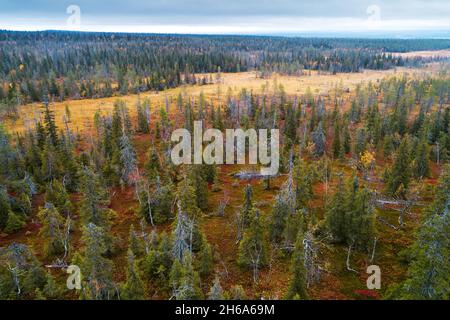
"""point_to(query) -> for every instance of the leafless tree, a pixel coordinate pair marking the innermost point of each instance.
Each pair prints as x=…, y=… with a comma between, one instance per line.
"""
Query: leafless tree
x=311, y=260
x=240, y=227
x=223, y=205
x=349, y=252
x=182, y=235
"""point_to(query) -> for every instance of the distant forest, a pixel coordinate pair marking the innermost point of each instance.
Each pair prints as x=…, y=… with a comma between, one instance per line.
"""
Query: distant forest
x=91, y=65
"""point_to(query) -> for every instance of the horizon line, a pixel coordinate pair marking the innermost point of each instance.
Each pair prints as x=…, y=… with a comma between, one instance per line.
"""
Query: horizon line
x=364, y=34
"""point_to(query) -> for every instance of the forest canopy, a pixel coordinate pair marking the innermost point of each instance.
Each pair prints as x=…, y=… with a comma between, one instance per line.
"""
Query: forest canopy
x=74, y=65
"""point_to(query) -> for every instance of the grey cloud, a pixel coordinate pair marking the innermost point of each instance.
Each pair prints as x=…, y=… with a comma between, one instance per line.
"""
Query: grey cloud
x=395, y=9
x=268, y=14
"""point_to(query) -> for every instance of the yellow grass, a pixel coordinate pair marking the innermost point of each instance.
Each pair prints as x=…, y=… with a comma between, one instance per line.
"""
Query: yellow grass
x=82, y=111
x=424, y=54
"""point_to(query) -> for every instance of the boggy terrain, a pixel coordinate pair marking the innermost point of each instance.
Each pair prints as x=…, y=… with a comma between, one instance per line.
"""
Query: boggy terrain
x=364, y=181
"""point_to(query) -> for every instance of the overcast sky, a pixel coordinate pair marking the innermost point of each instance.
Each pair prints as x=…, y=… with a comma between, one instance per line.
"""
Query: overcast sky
x=228, y=16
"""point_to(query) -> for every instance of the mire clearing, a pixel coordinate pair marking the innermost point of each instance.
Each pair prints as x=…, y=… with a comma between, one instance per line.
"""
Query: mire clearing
x=82, y=111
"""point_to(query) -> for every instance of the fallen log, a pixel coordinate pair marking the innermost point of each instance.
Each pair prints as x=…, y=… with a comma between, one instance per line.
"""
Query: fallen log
x=392, y=202
x=248, y=175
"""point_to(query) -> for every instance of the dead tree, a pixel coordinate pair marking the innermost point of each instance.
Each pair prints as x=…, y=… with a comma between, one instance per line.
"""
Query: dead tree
x=406, y=210
x=255, y=258
x=69, y=133
x=66, y=237
x=17, y=259
x=373, y=250
x=250, y=175
x=143, y=187
x=288, y=193
x=239, y=221
x=223, y=205
x=144, y=236
x=311, y=260
x=349, y=252
x=404, y=207
x=182, y=235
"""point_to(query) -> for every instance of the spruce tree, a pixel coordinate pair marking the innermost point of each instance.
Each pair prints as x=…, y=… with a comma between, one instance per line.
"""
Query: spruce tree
x=21, y=273
x=5, y=207
x=142, y=119
x=247, y=206
x=421, y=167
x=97, y=269
x=187, y=196
x=303, y=188
x=117, y=123
x=52, y=289
x=133, y=288
x=362, y=222
x=336, y=147
x=50, y=125
x=197, y=180
x=128, y=160
x=159, y=261
x=14, y=223
x=399, y=174
x=297, y=286
x=136, y=244
x=319, y=140
x=189, y=283
x=290, y=129
x=336, y=211
x=188, y=117
x=253, y=247
x=53, y=231
x=57, y=195
x=176, y=274
x=295, y=223
x=153, y=166
x=94, y=200
x=280, y=212
x=428, y=274
x=237, y=292
x=156, y=205
x=180, y=101
x=347, y=143
x=361, y=141
x=218, y=122
x=186, y=235
x=216, y=291
x=205, y=259
x=209, y=173
x=8, y=158
x=52, y=168
x=351, y=192
x=69, y=165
